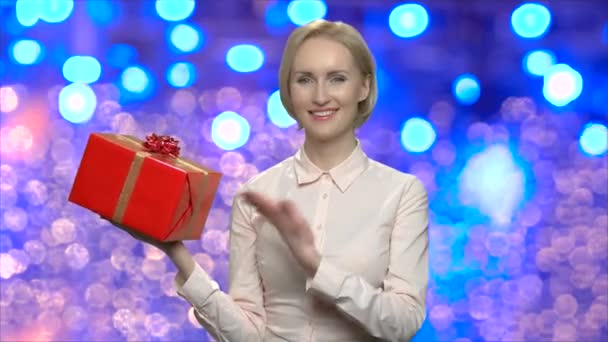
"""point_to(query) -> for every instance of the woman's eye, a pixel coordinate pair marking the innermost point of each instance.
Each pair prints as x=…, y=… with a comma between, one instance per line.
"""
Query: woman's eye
x=303, y=80
x=339, y=79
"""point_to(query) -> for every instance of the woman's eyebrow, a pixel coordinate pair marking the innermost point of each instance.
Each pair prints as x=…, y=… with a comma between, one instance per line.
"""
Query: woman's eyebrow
x=332, y=72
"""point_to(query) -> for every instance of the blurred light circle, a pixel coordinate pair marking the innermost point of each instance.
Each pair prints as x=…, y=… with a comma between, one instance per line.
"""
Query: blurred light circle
x=594, y=139
x=77, y=103
x=466, y=89
x=562, y=85
x=16, y=139
x=8, y=99
x=186, y=38
x=245, y=58
x=157, y=325
x=530, y=20
x=97, y=295
x=8, y=266
x=36, y=192
x=27, y=12
x=229, y=98
x=175, y=10
x=537, y=62
x=277, y=113
x=15, y=219
x=27, y=51
x=55, y=11
x=229, y=130
x=303, y=12
x=181, y=74
x=8, y=175
x=75, y=318
x=136, y=79
x=63, y=230
x=417, y=135
x=82, y=69
x=408, y=20
x=183, y=102
x=35, y=250
x=77, y=256
x=232, y=164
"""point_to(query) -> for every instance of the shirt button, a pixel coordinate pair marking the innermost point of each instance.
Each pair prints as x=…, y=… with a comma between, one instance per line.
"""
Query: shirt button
x=324, y=196
x=319, y=227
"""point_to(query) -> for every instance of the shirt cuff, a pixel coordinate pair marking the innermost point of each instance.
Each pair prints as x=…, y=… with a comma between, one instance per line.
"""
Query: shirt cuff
x=197, y=288
x=327, y=280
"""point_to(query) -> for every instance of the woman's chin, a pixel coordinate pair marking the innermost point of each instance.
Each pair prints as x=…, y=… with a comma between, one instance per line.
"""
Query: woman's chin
x=322, y=135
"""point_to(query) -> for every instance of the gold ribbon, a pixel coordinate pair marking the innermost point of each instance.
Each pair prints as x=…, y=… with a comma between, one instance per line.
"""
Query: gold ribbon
x=133, y=174
x=127, y=188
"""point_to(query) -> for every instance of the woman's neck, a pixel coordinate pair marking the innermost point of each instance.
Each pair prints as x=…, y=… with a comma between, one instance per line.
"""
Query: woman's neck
x=327, y=154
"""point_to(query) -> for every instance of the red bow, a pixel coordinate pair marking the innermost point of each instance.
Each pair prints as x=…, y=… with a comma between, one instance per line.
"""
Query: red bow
x=162, y=144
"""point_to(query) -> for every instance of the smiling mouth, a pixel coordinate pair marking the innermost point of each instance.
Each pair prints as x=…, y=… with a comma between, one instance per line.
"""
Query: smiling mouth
x=323, y=114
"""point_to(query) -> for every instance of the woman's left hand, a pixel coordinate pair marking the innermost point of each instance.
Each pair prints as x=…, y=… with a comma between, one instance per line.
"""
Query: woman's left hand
x=292, y=226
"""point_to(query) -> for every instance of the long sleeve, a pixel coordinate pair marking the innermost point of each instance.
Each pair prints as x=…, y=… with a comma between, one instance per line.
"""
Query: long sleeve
x=397, y=311
x=238, y=315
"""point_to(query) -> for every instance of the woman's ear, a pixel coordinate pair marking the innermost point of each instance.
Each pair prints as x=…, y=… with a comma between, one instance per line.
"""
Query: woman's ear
x=364, y=93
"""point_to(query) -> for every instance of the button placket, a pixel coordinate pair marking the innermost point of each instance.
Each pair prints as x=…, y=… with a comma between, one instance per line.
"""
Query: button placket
x=317, y=221
x=322, y=208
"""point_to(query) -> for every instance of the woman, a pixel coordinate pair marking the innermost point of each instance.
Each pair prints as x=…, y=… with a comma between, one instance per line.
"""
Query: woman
x=328, y=245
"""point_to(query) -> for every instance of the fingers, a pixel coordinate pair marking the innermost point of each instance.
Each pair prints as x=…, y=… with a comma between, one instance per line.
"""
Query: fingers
x=281, y=213
x=290, y=209
x=265, y=205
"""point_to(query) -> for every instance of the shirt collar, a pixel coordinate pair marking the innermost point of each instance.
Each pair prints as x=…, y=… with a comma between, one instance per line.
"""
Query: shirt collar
x=342, y=174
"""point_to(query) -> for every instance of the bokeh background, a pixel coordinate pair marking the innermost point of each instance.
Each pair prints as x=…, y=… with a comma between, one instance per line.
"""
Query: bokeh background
x=500, y=107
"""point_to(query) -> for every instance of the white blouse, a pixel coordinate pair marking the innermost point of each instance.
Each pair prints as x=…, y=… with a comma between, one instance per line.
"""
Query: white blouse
x=371, y=227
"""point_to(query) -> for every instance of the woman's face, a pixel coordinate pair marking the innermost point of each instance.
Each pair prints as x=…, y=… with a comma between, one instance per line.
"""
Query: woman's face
x=326, y=87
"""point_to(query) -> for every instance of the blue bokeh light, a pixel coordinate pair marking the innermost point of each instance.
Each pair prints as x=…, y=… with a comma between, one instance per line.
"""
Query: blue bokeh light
x=77, y=103
x=417, y=135
x=537, y=62
x=303, y=12
x=55, y=11
x=27, y=51
x=531, y=20
x=186, y=38
x=181, y=74
x=245, y=58
x=277, y=113
x=408, y=20
x=136, y=79
x=81, y=69
x=466, y=89
x=562, y=85
x=275, y=14
x=103, y=12
x=594, y=139
x=27, y=12
x=230, y=131
x=121, y=55
x=175, y=10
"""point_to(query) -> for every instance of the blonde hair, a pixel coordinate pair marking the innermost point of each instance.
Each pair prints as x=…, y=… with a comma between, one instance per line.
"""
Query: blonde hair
x=347, y=36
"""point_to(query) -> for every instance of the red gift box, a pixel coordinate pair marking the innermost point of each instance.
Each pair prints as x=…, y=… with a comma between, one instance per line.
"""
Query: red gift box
x=145, y=186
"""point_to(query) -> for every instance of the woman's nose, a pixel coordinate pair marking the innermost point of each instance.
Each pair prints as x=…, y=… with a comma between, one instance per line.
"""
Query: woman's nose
x=320, y=97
